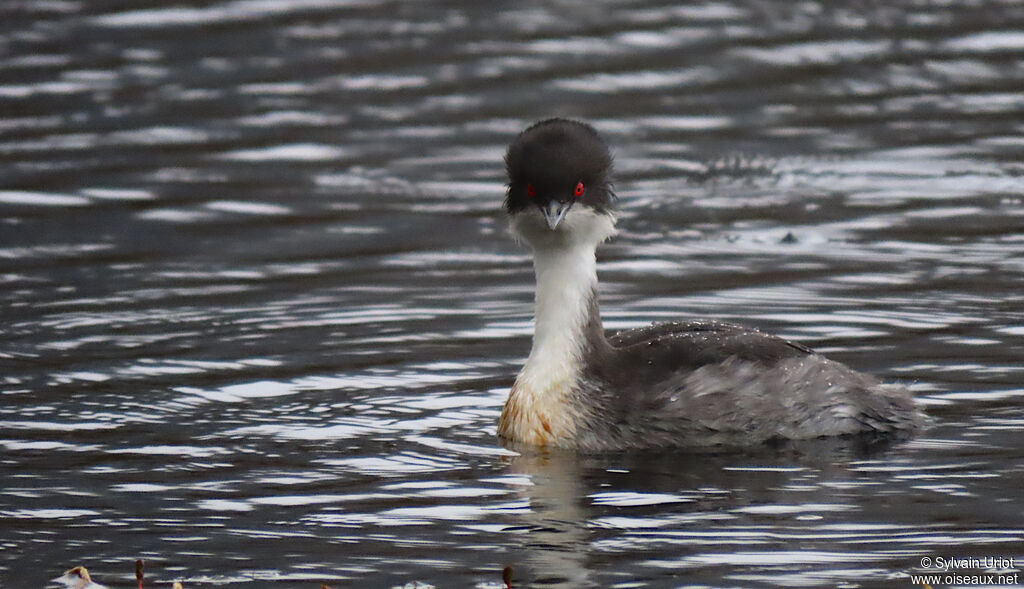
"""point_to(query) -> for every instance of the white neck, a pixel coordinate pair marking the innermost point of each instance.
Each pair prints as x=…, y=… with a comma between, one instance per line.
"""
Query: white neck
x=566, y=267
x=538, y=410
x=565, y=281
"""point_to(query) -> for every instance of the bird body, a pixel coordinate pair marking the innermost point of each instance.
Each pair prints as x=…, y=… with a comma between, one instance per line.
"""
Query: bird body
x=684, y=384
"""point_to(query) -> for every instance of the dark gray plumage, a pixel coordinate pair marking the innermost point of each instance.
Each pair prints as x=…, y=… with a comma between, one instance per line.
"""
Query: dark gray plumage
x=704, y=383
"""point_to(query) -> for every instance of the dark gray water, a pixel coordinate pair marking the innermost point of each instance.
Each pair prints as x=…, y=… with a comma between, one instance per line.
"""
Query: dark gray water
x=260, y=310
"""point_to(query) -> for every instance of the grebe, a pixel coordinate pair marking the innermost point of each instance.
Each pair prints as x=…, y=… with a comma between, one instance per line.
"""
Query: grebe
x=684, y=385
x=78, y=578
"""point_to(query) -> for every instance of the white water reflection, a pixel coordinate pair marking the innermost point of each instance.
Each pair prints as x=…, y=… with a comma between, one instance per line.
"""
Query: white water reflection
x=289, y=153
x=240, y=10
x=19, y=197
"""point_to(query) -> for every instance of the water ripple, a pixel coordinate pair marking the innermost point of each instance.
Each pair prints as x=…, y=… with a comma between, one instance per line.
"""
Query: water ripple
x=257, y=285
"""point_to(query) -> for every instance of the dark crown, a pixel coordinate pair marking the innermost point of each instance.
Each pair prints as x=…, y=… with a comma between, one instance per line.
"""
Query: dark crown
x=550, y=158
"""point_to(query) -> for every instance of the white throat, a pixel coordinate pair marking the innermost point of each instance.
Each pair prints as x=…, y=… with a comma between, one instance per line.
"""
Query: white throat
x=566, y=267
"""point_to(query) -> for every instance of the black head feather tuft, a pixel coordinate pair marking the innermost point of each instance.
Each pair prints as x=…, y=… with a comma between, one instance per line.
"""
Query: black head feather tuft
x=551, y=158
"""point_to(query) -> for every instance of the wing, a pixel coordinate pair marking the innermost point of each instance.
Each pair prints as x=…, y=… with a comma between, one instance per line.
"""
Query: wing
x=692, y=344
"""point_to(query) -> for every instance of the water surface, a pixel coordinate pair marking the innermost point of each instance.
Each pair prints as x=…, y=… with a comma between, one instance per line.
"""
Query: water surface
x=260, y=310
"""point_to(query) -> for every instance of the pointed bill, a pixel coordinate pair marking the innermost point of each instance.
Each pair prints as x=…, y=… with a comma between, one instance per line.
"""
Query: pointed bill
x=554, y=212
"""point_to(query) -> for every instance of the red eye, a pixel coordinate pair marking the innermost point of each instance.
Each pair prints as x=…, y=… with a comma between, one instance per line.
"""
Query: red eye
x=579, y=189
x=530, y=191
